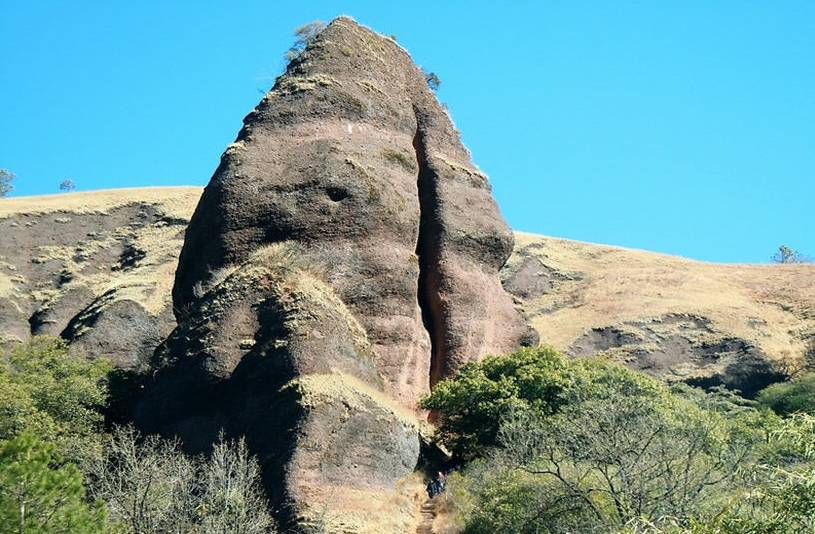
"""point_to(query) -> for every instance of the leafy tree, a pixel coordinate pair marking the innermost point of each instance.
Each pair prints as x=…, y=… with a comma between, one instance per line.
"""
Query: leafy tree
x=586, y=446
x=304, y=35
x=776, y=496
x=53, y=393
x=786, y=398
x=6, y=177
x=785, y=254
x=470, y=406
x=67, y=185
x=149, y=485
x=619, y=459
x=41, y=494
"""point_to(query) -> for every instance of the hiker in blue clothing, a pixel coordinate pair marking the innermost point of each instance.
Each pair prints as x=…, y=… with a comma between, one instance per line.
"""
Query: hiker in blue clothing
x=436, y=486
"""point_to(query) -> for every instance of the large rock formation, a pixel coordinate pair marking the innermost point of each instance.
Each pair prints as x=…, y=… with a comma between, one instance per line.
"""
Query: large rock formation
x=343, y=258
x=352, y=157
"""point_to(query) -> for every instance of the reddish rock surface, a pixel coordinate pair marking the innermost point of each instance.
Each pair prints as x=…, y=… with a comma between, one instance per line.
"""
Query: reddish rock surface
x=351, y=157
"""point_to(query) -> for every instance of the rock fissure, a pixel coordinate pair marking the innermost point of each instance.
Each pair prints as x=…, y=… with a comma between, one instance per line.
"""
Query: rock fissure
x=427, y=291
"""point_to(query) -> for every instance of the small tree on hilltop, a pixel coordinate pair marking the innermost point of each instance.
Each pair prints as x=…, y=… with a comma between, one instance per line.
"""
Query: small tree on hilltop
x=6, y=177
x=304, y=35
x=786, y=254
x=67, y=185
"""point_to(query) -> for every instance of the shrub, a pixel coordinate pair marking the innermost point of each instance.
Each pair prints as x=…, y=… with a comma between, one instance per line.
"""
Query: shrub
x=39, y=493
x=471, y=405
x=150, y=485
x=619, y=459
x=433, y=80
x=588, y=446
x=790, y=397
x=56, y=395
x=304, y=35
x=785, y=254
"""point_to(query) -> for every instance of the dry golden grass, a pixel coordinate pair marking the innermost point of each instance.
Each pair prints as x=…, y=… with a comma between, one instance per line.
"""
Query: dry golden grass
x=772, y=306
x=340, y=387
x=179, y=201
x=362, y=510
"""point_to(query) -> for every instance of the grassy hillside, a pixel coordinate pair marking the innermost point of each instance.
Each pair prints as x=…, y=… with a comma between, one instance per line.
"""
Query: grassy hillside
x=744, y=325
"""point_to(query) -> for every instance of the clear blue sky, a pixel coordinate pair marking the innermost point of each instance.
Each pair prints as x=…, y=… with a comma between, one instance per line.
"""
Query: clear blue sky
x=686, y=127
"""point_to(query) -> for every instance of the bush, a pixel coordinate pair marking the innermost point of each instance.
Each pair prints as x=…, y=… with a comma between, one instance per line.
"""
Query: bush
x=150, y=485
x=39, y=493
x=613, y=461
x=54, y=394
x=776, y=497
x=471, y=405
x=433, y=80
x=587, y=446
x=790, y=397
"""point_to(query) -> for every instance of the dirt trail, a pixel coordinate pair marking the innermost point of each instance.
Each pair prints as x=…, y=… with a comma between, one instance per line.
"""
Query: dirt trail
x=428, y=514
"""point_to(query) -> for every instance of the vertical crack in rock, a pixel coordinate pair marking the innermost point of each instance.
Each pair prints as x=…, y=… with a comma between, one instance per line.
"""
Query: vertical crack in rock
x=427, y=250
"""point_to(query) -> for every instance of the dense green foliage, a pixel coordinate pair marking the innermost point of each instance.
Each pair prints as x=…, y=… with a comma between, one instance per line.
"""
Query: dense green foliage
x=559, y=445
x=786, y=398
x=54, y=394
x=61, y=472
x=540, y=379
x=39, y=493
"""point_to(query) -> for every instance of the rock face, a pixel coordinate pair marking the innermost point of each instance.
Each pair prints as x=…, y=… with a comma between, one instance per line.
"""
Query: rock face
x=343, y=258
x=351, y=157
x=93, y=268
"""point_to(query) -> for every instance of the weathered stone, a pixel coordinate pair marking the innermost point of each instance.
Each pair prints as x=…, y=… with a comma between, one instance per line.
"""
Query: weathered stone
x=352, y=157
x=306, y=392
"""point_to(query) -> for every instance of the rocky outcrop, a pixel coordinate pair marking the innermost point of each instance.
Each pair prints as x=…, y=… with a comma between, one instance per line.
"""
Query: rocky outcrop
x=740, y=326
x=343, y=258
x=94, y=268
x=352, y=157
x=272, y=353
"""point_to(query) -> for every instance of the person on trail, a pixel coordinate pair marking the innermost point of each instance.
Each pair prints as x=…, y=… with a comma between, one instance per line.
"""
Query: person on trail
x=441, y=480
x=436, y=486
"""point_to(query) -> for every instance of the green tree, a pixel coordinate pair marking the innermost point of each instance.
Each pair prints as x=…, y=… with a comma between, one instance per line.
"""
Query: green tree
x=6, y=179
x=777, y=494
x=433, y=80
x=67, y=185
x=617, y=460
x=787, y=398
x=39, y=493
x=471, y=405
x=58, y=396
x=786, y=254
